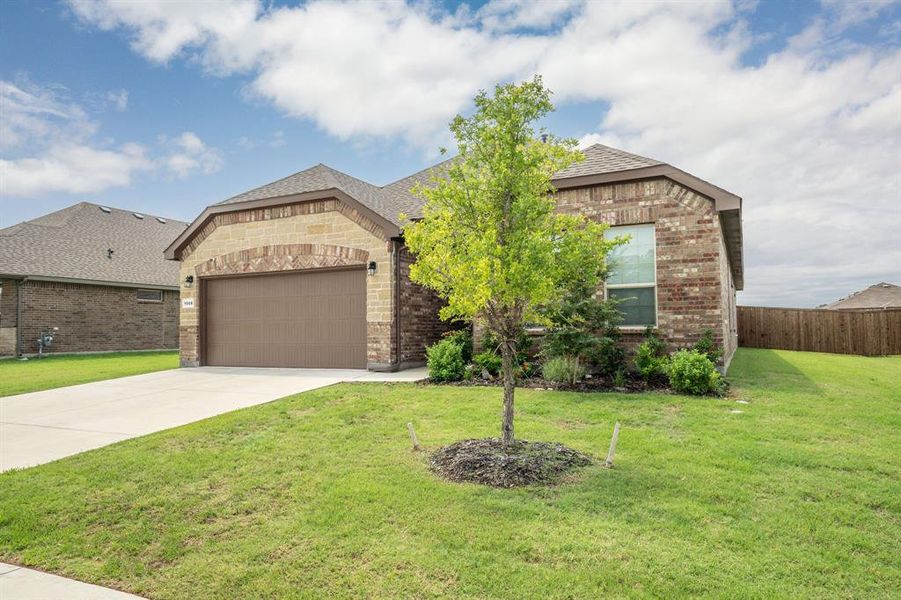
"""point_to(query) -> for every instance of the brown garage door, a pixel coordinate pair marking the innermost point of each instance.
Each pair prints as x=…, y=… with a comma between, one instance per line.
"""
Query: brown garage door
x=301, y=319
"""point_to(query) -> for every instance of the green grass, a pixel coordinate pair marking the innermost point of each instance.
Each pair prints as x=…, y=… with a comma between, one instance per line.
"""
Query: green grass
x=21, y=376
x=319, y=495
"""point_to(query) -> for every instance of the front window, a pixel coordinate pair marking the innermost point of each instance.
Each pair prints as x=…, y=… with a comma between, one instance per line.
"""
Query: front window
x=633, y=275
x=149, y=295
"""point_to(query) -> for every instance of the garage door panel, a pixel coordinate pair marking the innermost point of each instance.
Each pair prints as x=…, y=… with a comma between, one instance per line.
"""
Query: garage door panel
x=311, y=319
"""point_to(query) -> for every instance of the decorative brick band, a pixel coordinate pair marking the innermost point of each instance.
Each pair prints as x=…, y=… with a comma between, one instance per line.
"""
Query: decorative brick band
x=282, y=257
x=688, y=198
x=282, y=212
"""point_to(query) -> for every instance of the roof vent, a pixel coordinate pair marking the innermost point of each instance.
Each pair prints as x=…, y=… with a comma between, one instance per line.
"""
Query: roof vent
x=161, y=220
x=138, y=215
x=105, y=209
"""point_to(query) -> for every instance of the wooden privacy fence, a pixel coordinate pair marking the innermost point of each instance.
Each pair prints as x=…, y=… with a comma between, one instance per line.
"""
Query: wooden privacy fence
x=866, y=332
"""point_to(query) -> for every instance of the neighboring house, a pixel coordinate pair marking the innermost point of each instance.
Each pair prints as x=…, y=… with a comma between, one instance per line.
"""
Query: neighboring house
x=880, y=295
x=311, y=270
x=94, y=272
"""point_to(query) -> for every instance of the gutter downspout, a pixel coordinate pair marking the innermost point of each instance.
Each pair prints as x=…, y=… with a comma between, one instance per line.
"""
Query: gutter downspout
x=19, y=292
x=397, y=324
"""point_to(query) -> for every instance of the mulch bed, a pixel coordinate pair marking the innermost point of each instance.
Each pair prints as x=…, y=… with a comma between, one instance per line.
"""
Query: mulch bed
x=595, y=384
x=489, y=462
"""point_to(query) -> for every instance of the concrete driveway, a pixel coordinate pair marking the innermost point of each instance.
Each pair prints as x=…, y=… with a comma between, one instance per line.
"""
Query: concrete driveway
x=44, y=426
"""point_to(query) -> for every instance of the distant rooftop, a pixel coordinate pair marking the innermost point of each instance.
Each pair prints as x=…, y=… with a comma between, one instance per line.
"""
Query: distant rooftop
x=74, y=243
x=880, y=295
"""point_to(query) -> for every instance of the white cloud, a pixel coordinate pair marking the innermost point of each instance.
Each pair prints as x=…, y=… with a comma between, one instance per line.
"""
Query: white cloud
x=164, y=29
x=31, y=112
x=188, y=153
x=810, y=137
x=119, y=99
x=46, y=139
x=852, y=13
x=72, y=170
x=355, y=68
x=49, y=145
x=509, y=15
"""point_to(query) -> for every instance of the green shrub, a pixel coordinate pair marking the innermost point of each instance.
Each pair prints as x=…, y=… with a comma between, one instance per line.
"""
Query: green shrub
x=708, y=347
x=462, y=337
x=650, y=358
x=445, y=361
x=608, y=356
x=619, y=378
x=488, y=361
x=692, y=372
x=563, y=369
x=582, y=325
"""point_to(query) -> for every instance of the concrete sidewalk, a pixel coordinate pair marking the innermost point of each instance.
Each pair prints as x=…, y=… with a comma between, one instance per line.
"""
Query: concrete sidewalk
x=44, y=426
x=19, y=583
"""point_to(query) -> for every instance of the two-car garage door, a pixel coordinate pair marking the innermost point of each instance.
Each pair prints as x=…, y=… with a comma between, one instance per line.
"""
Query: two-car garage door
x=314, y=319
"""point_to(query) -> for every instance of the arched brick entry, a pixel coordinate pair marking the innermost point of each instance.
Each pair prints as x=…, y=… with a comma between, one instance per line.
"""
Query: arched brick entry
x=282, y=257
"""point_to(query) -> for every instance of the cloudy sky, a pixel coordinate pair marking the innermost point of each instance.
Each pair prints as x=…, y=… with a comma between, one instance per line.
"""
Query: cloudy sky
x=166, y=108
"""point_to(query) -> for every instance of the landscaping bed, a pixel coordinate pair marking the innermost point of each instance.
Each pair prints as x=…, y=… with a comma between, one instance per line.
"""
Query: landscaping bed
x=589, y=384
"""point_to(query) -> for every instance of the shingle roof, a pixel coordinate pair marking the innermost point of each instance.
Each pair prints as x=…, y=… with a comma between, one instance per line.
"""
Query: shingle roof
x=397, y=198
x=388, y=202
x=604, y=159
x=72, y=243
x=880, y=295
x=400, y=193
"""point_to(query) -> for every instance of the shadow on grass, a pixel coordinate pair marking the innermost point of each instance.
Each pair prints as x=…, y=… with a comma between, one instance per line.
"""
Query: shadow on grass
x=769, y=370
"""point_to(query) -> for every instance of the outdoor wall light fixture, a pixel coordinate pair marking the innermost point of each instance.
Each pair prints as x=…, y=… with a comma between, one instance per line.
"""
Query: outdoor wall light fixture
x=371, y=268
x=189, y=281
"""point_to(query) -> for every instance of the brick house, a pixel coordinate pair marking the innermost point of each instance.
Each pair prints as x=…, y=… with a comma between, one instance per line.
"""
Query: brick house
x=94, y=272
x=311, y=270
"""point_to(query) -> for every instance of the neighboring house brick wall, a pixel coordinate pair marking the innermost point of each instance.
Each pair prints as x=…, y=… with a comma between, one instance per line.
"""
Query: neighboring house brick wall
x=689, y=251
x=420, y=326
x=8, y=301
x=299, y=236
x=95, y=318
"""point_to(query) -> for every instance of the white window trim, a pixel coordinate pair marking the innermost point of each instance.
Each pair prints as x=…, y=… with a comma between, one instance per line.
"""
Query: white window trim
x=618, y=286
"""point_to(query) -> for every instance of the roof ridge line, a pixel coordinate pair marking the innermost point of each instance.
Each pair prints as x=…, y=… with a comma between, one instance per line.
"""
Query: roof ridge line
x=626, y=153
x=333, y=170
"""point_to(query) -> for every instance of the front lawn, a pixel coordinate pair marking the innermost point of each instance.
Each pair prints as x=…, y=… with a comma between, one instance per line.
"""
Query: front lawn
x=318, y=495
x=21, y=376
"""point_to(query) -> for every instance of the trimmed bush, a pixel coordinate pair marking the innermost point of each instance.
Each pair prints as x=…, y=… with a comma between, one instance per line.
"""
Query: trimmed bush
x=462, y=337
x=650, y=358
x=691, y=372
x=708, y=347
x=489, y=361
x=445, y=361
x=563, y=369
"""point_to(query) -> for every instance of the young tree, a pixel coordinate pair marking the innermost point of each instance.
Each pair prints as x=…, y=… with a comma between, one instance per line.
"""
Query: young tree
x=490, y=242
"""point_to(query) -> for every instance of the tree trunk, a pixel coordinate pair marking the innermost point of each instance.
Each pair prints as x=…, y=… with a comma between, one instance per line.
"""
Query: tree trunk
x=509, y=385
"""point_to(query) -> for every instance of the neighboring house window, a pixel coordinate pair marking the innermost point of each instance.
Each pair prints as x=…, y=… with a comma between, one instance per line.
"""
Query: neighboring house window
x=150, y=295
x=633, y=275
